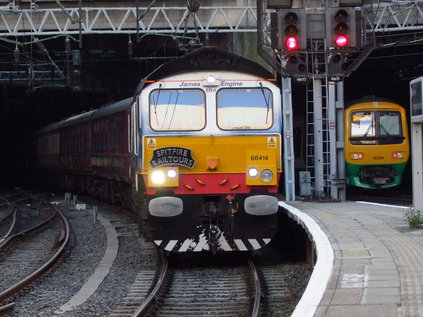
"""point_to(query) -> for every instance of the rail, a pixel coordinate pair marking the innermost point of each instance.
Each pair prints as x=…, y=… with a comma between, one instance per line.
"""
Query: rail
x=257, y=293
x=15, y=288
x=9, y=236
x=149, y=301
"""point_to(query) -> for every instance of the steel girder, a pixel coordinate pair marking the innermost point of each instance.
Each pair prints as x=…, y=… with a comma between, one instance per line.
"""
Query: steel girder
x=170, y=20
x=395, y=16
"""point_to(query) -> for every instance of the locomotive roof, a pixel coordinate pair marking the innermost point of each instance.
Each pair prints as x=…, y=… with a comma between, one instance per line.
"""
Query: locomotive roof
x=92, y=114
x=367, y=99
x=208, y=58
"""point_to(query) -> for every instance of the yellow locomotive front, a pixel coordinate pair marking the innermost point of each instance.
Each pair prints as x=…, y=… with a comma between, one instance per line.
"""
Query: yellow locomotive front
x=210, y=161
x=376, y=144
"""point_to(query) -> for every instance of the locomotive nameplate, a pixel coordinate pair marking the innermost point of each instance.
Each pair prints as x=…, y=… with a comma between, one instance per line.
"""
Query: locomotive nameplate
x=172, y=155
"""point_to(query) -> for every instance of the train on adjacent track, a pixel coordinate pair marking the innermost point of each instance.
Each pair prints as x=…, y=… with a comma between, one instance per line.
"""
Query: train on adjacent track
x=376, y=140
x=196, y=151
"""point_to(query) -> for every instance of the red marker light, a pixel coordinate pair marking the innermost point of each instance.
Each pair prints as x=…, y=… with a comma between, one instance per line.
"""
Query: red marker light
x=291, y=43
x=341, y=41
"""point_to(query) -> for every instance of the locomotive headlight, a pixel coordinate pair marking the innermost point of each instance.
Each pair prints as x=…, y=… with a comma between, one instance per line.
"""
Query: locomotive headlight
x=266, y=175
x=171, y=173
x=253, y=172
x=398, y=155
x=356, y=156
x=210, y=80
x=164, y=177
x=158, y=177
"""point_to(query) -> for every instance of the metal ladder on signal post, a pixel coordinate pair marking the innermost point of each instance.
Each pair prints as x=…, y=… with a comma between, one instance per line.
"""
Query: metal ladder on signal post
x=324, y=151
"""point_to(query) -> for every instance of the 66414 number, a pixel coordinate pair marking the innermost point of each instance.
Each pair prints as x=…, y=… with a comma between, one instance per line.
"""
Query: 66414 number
x=259, y=158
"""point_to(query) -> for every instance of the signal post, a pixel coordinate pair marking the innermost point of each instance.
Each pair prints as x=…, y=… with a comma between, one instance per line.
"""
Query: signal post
x=317, y=43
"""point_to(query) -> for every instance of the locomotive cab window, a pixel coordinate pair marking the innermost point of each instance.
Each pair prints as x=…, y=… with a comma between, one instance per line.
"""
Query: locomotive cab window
x=244, y=109
x=376, y=127
x=177, y=109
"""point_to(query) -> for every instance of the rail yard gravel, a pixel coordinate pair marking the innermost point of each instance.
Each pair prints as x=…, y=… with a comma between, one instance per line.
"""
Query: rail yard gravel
x=133, y=256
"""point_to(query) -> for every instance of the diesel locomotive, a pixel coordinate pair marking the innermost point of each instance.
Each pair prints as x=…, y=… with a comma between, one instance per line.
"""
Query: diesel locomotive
x=376, y=142
x=196, y=151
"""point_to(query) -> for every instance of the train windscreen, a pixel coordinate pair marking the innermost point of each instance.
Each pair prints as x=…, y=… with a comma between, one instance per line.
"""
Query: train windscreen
x=376, y=127
x=244, y=109
x=177, y=110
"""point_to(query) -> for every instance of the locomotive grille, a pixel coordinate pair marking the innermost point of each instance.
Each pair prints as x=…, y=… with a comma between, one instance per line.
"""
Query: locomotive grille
x=377, y=175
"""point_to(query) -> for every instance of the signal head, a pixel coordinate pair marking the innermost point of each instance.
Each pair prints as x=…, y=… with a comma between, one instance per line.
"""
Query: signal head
x=341, y=41
x=291, y=43
x=291, y=18
x=341, y=16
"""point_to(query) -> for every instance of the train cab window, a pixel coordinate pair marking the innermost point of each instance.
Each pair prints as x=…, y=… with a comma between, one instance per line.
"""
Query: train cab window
x=244, y=109
x=177, y=109
x=376, y=127
x=389, y=123
x=363, y=124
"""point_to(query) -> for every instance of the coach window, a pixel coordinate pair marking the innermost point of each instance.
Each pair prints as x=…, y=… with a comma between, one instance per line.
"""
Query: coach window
x=177, y=109
x=244, y=109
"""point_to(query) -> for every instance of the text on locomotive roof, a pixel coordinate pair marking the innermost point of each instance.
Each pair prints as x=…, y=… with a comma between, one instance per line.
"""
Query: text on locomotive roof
x=231, y=83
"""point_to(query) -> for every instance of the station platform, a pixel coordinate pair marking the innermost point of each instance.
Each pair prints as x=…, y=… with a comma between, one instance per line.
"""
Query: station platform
x=369, y=262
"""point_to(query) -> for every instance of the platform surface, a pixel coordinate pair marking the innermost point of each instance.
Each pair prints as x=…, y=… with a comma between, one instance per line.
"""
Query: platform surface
x=377, y=263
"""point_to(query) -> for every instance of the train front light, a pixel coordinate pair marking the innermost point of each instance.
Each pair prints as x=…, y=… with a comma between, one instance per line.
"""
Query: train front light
x=253, y=172
x=398, y=155
x=266, y=175
x=356, y=156
x=172, y=173
x=158, y=177
x=164, y=177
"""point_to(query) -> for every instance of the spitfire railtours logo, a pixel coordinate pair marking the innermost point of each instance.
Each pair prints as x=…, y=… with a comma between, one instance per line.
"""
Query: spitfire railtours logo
x=172, y=155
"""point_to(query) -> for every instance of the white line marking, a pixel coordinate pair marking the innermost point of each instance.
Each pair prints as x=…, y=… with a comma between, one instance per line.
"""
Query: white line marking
x=319, y=279
x=241, y=246
x=383, y=205
x=254, y=243
x=184, y=247
x=171, y=245
x=224, y=244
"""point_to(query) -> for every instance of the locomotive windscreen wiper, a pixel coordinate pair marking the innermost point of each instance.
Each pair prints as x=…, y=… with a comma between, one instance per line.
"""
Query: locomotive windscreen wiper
x=265, y=100
x=384, y=130
x=155, y=104
x=368, y=130
x=174, y=108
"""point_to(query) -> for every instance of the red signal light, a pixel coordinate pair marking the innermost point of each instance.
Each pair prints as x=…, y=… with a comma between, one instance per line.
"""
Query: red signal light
x=341, y=41
x=291, y=43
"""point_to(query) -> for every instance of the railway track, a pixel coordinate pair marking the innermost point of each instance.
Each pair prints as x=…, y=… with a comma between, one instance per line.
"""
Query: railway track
x=239, y=289
x=195, y=285
x=204, y=291
x=25, y=247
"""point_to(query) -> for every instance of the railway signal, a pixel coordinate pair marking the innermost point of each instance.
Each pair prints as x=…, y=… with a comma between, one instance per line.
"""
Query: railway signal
x=292, y=30
x=292, y=37
x=341, y=28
